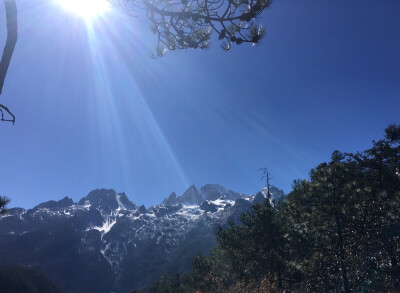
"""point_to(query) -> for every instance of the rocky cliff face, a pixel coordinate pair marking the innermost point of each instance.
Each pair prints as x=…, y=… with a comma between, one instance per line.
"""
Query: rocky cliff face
x=105, y=243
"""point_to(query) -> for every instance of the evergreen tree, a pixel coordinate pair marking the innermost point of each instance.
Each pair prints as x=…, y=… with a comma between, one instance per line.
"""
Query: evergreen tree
x=347, y=214
x=255, y=248
x=379, y=227
x=203, y=276
x=3, y=203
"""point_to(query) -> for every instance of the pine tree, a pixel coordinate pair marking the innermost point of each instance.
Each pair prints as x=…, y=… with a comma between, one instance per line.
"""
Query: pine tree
x=203, y=276
x=3, y=203
x=322, y=221
x=380, y=225
x=255, y=248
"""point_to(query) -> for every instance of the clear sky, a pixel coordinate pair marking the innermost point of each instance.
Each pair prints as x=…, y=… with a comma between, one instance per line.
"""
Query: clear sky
x=95, y=111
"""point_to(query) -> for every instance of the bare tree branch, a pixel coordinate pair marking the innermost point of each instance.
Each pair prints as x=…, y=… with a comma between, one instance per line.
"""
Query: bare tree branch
x=2, y=107
x=12, y=34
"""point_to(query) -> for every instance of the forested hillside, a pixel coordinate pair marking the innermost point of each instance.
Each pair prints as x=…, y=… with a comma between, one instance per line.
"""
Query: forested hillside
x=336, y=232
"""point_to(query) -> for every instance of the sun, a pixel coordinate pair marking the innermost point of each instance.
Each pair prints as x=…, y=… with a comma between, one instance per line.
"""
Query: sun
x=85, y=8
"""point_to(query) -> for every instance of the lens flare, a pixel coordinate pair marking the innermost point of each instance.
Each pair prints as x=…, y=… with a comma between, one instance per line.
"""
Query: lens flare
x=85, y=8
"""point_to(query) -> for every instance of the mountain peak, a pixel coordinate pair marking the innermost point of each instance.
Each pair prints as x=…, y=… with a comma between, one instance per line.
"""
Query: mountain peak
x=107, y=199
x=62, y=203
x=215, y=191
x=191, y=196
x=171, y=200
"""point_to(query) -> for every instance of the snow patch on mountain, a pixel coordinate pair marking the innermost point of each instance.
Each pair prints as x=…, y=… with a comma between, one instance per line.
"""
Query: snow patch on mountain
x=106, y=227
x=114, y=226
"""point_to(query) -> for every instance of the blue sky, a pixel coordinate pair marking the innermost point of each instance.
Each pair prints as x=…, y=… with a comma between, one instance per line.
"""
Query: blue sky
x=94, y=110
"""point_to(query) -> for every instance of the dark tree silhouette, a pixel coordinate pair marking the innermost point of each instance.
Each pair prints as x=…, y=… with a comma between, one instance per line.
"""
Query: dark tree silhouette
x=3, y=203
x=182, y=24
x=12, y=34
x=267, y=176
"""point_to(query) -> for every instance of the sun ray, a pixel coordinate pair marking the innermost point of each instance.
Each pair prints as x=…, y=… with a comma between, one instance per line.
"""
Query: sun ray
x=113, y=98
x=85, y=8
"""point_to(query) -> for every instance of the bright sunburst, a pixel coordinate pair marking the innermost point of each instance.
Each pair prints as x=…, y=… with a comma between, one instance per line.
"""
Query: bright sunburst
x=85, y=8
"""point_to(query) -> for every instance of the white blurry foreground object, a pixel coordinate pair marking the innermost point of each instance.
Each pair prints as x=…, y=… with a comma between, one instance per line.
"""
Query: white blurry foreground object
x=85, y=8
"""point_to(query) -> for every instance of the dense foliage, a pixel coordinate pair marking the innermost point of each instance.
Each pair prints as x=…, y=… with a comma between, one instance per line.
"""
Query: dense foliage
x=336, y=232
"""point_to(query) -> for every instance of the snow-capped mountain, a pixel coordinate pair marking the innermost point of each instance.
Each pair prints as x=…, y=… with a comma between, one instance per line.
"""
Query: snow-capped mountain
x=105, y=243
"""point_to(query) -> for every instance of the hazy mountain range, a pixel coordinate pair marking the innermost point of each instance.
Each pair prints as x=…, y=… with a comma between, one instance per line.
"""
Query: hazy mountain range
x=106, y=243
